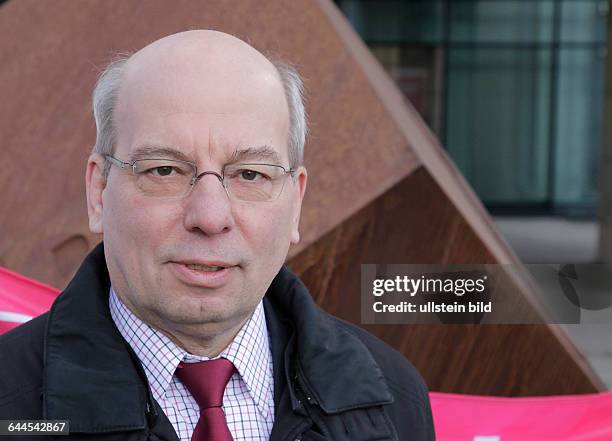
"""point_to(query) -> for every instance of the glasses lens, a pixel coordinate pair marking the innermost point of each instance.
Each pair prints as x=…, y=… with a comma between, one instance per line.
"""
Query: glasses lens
x=163, y=177
x=254, y=182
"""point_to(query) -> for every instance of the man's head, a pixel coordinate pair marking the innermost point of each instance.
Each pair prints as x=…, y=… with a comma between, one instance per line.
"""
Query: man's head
x=196, y=264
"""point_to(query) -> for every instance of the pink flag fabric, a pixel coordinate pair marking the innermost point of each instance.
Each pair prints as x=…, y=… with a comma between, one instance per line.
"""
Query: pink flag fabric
x=553, y=418
x=22, y=298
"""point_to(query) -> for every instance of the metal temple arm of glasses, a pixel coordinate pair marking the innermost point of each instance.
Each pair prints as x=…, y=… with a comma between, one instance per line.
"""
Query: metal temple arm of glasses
x=117, y=162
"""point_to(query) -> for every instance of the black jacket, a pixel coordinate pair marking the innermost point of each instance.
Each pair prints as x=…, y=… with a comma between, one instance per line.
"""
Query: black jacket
x=333, y=381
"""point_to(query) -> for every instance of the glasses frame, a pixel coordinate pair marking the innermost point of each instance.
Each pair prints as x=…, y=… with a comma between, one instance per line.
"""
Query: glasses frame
x=197, y=176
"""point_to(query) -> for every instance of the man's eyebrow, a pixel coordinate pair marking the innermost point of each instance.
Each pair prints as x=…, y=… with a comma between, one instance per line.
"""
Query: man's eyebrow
x=263, y=152
x=146, y=152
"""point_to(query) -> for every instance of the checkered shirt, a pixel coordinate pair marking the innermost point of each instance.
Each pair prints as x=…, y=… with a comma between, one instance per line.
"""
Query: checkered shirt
x=248, y=401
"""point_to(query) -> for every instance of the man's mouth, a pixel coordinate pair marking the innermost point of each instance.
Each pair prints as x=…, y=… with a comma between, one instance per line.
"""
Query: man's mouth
x=207, y=268
x=203, y=273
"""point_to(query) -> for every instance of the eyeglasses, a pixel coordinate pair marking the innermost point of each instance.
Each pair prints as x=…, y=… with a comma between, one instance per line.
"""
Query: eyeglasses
x=173, y=178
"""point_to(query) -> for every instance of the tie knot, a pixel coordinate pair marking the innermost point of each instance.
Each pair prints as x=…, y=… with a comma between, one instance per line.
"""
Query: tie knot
x=206, y=380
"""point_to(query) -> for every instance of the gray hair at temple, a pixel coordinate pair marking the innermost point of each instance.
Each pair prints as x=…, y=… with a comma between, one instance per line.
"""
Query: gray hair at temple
x=107, y=88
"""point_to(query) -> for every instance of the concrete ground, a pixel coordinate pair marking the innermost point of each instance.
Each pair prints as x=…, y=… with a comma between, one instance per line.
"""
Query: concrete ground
x=550, y=240
x=558, y=240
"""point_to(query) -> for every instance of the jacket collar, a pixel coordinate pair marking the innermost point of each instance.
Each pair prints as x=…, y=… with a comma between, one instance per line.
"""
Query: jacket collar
x=93, y=379
x=90, y=376
x=334, y=366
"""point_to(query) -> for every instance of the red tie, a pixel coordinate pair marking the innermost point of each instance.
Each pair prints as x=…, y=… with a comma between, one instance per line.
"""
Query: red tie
x=206, y=380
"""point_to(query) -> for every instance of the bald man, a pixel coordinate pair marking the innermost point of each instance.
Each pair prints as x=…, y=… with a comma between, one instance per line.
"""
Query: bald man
x=184, y=323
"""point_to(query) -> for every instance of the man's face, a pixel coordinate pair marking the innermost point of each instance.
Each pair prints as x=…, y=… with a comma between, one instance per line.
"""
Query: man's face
x=153, y=245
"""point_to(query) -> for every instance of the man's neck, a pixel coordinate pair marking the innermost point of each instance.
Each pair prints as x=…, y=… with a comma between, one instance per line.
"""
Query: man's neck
x=203, y=339
x=206, y=344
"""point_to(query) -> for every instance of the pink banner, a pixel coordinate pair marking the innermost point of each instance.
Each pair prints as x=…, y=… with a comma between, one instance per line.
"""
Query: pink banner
x=22, y=299
x=554, y=418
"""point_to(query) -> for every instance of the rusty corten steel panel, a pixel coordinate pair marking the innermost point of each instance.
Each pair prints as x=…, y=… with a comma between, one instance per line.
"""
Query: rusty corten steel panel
x=381, y=190
x=414, y=223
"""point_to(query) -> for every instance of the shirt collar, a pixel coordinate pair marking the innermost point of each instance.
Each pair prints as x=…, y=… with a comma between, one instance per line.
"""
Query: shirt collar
x=250, y=354
x=160, y=356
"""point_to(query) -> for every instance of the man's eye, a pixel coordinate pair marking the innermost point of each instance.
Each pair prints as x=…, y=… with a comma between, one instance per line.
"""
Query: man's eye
x=250, y=175
x=165, y=170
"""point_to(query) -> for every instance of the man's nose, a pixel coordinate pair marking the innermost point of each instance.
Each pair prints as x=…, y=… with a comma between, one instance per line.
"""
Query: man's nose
x=208, y=207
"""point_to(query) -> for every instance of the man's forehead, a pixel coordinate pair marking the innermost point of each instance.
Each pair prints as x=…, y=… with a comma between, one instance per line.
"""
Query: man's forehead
x=224, y=94
x=204, y=54
x=185, y=71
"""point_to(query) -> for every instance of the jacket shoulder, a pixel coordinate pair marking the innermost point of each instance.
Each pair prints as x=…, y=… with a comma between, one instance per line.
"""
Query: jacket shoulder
x=411, y=409
x=399, y=372
x=21, y=352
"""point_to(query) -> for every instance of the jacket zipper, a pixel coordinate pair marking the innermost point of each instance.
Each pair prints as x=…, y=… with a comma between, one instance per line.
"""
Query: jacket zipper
x=302, y=389
x=305, y=400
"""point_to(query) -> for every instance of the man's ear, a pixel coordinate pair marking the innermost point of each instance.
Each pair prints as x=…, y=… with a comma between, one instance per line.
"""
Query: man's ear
x=95, y=182
x=301, y=179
